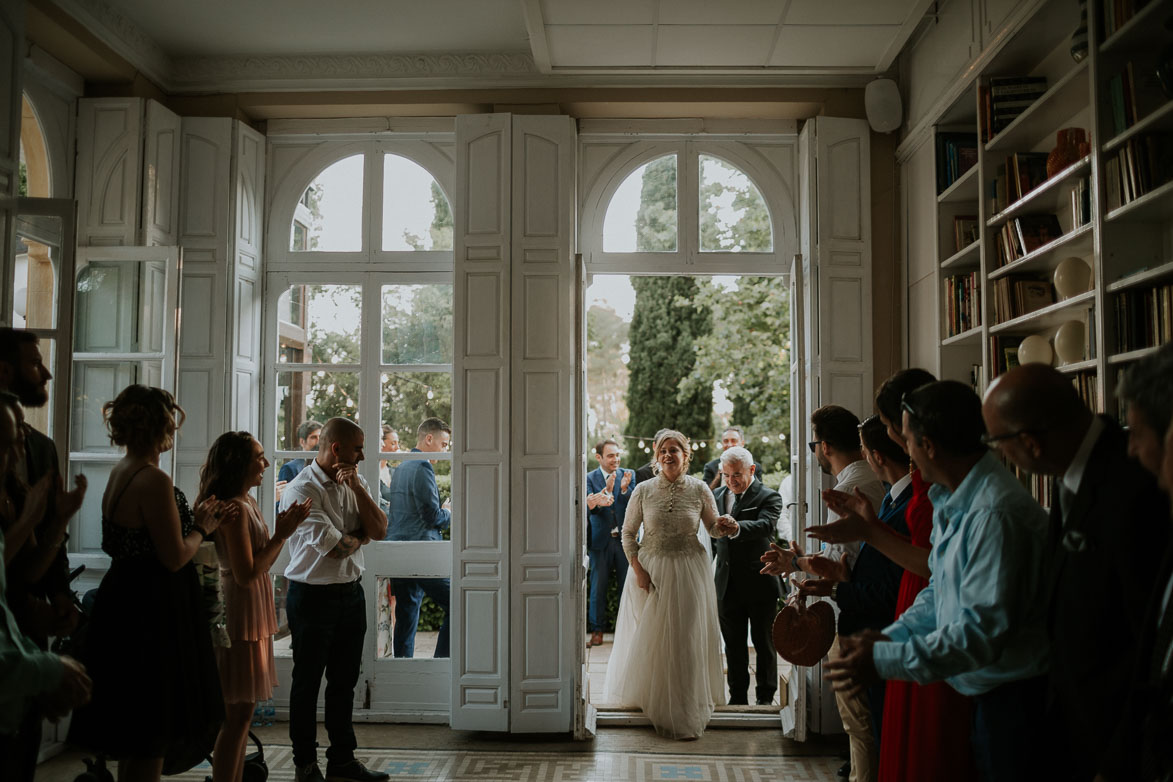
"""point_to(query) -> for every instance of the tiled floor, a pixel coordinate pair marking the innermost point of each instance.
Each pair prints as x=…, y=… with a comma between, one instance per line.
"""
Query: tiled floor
x=434, y=753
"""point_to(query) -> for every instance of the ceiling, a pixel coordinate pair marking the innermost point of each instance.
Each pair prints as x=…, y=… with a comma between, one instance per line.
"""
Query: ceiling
x=251, y=45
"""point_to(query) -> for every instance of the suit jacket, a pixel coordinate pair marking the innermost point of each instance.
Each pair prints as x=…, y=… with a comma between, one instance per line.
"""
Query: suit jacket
x=868, y=600
x=1101, y=568
x=738, y=559
x=645, y=473
x=714, y=467
x=41, y=459
x=603, y=520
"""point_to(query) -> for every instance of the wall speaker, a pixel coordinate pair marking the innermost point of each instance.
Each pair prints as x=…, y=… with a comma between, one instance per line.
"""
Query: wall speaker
x=881, y=102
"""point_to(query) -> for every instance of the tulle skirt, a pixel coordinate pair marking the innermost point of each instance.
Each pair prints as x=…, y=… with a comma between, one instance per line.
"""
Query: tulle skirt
x=666, y=659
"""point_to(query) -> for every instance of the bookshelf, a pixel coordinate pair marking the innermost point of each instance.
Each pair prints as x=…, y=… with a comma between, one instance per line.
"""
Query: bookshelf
x=1124, y=238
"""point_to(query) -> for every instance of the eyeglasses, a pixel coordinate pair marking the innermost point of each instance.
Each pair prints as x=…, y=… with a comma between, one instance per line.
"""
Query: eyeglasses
x=989, y=440
x=813, y=443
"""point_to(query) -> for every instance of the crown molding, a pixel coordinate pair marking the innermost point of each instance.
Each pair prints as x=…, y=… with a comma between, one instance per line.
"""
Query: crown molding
x=352, y=71
x=123, y=36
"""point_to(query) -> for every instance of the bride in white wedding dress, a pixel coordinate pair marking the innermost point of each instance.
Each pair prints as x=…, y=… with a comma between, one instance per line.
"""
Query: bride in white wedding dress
x=667, y=654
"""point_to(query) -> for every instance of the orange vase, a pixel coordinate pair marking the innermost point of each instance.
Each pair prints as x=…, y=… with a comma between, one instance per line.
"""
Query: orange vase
x=1066, y=151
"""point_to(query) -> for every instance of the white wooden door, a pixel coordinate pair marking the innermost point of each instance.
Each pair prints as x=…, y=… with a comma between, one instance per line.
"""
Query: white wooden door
x=794, y=713
x=125, y=328
x=481, y=392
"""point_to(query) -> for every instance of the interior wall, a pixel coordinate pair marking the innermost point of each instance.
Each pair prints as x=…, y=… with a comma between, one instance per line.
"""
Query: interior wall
x=887, y=271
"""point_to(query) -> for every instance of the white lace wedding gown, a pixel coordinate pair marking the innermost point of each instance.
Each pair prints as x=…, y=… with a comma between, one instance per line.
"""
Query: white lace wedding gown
x=666, y=659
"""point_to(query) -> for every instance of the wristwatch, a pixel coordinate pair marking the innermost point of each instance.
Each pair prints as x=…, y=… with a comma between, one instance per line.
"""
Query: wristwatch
x=835, y=591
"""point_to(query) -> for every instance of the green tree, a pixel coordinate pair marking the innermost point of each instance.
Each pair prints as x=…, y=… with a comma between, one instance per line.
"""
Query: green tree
x=655, y=222
x=607, y=375
x=748, y=352
x=667, y=321
x=440, y=231
x=733, y=214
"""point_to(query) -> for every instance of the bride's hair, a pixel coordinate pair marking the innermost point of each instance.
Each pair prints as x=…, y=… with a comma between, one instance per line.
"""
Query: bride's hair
x=681, y=440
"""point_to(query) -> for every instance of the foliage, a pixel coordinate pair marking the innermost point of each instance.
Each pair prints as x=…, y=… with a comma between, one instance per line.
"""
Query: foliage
x=655, y=223
x=23, y=185
x=733, y=214
x=440, y=231
x=607, y=375
x=667, y=321
x=747, y=351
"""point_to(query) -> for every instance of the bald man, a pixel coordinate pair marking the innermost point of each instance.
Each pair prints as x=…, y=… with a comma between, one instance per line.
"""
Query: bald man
x=326, y=607
x=1108, y=531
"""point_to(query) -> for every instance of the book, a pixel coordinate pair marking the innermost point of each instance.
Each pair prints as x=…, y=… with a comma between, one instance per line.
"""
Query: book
x=1036, y=230
x=965, y=231
x=1031, y=295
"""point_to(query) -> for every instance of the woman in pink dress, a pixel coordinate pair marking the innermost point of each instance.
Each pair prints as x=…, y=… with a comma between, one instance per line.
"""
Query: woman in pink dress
x=235, y=465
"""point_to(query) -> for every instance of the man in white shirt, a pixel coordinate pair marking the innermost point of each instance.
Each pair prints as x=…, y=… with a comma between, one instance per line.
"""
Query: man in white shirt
x=836, y=448
x=326, y=607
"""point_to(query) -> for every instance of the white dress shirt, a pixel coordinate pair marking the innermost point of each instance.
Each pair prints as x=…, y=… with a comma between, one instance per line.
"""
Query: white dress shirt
x=857, y=475
x=1074, y=475
x=334, y=513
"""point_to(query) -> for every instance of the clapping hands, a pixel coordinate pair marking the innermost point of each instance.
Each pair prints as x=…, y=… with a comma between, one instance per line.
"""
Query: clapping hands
x=856, y=518
x=211, y=513
x=290, y=518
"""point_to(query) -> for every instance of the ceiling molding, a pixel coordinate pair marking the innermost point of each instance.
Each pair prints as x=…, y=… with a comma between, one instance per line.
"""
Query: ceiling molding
x=123, y=36
x=536, y=27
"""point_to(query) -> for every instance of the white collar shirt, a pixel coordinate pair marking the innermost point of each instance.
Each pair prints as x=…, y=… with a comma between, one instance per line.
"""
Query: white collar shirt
x=1074, y=475
x=857, y=475
x=899, y=487
x=334, y=513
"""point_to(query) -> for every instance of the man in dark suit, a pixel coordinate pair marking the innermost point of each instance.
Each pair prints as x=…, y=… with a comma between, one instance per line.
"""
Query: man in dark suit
x=1107, y=517
x=743, y=594
x=730, y=438
x=609, y=487
x=38, y=577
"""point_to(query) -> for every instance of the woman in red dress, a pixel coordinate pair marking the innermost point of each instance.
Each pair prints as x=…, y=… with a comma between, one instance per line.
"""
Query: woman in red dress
x=925, y=729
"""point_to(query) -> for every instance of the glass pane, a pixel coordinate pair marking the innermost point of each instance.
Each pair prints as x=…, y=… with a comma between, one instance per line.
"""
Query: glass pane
x=282, y=640
x=417, y=324
x=85, y=529
x=733, y=214
x=120, y=307
x=416, y=213
x=316, y=395
x=323, y=324
x=403, y=602
x=328, y=216
x=94, y=384
x=38, y=255
x=41, y=418
x=410, y=397
x=642, y=214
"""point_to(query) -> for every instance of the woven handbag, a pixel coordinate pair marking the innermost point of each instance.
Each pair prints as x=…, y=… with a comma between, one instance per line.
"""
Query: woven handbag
x=803, y=634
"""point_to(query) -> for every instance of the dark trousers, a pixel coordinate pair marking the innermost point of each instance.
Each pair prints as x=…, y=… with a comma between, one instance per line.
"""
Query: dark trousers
x=603, y=561
x=734, y=613
x=1010, y=731
x=327, y=623
x=18, y=752
x=409, y=594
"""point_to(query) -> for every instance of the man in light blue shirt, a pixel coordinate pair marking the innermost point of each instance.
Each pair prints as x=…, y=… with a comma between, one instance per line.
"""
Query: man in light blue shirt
x=979, y=624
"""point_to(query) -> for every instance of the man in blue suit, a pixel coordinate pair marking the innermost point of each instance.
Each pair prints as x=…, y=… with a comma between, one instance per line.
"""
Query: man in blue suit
x=416, y=514
x=609, y=487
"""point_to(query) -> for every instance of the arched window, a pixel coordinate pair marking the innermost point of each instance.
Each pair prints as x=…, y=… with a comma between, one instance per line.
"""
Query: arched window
x=688, y=206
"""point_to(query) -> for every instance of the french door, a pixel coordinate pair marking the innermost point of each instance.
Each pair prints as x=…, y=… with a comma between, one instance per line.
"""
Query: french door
x=375, y=347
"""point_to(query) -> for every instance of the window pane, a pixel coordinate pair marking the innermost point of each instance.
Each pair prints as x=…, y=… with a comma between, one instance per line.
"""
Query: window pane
x=416, y=213
x=120, y=307
x=410, y=397
x=733, y=214
x=38, y=255
x=328, y=216
x=417, y=324
x=426, y=600
x=94, y=384
x=642, y=214
x=319, y=324
x=316, y=395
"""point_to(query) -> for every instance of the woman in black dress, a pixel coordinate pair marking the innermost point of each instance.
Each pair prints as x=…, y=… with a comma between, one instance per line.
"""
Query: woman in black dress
x=148, y=647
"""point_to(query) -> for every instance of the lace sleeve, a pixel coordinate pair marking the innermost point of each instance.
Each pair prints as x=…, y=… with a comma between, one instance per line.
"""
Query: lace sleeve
x=709, y=514
x=631, y=522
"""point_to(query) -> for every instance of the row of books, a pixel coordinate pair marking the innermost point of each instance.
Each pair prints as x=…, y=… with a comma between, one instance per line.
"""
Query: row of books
x=1022, y=172
x=1085, y=386
x=1129, y=101
x=1016, y=295
x=1037, y=484
x=1004, y=98
x=957, y=153
x=1004, y=353
x=1142, y=164
x=1144, y=318
x=1118, y=12
x=1081, y=203
x=966, y=231
x=1023, y=235
x=963, y=303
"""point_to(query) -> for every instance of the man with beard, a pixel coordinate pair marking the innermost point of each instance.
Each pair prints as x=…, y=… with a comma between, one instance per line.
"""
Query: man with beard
x=38, y=575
